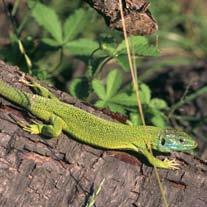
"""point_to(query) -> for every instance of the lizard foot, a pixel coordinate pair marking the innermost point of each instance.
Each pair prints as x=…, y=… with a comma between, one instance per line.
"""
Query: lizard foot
x=34, y=128
x=30, y=83
x=37, y=88
x=23, y=80
x=171, y=164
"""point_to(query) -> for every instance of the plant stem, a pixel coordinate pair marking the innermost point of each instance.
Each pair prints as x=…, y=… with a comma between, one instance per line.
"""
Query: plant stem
x=188, y=99
x=101, y=65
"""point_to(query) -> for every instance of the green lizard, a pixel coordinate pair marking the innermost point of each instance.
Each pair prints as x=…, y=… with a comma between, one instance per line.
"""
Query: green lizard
x=94, y=130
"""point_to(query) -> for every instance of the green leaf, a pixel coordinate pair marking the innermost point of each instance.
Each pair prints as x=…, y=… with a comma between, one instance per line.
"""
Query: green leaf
x=113, y=83
x=146, y=50
x=51, y=42
x=75, y=24
x=81, y=47
x=116, y=108
x=124, y=99
x=158, y=121
x=99, y=89
x=100, y=104
x=48, y=19
x=109, y=49
x=40, y=74
x=135, y=119
x=123, y=62
x=79, y=88
x=145, y=93
x=158, y=103
x=111, y=106
x=134, y=41
x=139, y=45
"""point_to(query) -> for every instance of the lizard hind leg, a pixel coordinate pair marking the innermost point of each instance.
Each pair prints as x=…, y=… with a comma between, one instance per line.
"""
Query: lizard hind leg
x=53, y=129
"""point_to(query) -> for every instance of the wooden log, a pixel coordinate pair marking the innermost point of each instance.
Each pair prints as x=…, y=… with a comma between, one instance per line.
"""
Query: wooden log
x=62, y=172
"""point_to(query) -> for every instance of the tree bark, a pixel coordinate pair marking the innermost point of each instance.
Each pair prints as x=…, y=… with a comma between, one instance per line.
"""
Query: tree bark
x=137, y=16
x=62, y=172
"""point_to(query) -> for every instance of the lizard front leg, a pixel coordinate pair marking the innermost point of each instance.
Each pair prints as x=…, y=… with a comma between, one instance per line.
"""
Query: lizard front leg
x=40, y=90
x=166, y=163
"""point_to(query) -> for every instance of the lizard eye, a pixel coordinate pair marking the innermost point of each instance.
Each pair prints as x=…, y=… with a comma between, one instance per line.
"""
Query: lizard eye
x=181, y=140
x=163, y=142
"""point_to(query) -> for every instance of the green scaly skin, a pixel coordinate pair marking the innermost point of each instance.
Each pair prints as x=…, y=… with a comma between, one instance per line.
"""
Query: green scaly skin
x=93, y=130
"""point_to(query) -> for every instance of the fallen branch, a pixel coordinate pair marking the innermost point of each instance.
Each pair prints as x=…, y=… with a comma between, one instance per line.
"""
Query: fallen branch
x=63, y=172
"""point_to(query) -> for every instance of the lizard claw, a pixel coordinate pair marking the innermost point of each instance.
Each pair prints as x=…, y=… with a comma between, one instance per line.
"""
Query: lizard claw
x=21, y=123
x=24, y=80
x=31, y=128
x=171, y=164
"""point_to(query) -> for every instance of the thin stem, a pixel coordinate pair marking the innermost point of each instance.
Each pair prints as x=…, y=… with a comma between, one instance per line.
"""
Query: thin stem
x=101, y=65
x=14, y=10
x=188, y=99
x=131, y=65
x=134, y=80
x=20, y=44
x=55, y=70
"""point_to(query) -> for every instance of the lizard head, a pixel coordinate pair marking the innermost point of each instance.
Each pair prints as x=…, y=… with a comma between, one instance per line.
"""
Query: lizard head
x=174, y=140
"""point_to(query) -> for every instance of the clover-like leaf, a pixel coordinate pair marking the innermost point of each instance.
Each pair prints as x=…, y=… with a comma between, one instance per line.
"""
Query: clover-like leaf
x=135, y=119
x=145, y=93
x=83, y=47
x=134, y=41
x=125, y=99
x=113, y=83
x=158, y=121
x=75, y=24
x=79, y=88
x=140, y=46
x=123, y=61
x=100, y=104
x=47, y=18
x=116, y=108
x=158, y=103
x=98, y=87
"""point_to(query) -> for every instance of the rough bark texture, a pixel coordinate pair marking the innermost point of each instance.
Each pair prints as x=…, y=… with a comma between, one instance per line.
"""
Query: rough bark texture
x=138, y=19
x=63, y=172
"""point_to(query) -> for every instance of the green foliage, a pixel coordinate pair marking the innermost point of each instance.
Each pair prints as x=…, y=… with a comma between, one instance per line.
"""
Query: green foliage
x=56, y=36
x=106, y=52
x=48, y=19
x=75, y=24
x=141, y=47
x=113, y=96
x=61, y=42
x=182, y=26
x=81, y=47
x=64, y=36
x=79, y=88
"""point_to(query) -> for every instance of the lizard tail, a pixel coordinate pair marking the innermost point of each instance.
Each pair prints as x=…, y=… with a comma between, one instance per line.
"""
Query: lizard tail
x=14, y=95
